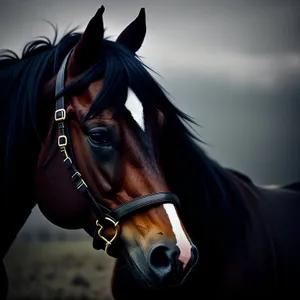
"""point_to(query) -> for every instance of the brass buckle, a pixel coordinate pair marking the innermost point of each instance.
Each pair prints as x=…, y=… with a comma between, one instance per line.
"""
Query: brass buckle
x=66, y=157
x=117, y=230
x=76, y=177
x=62, y=141
x=60, y=115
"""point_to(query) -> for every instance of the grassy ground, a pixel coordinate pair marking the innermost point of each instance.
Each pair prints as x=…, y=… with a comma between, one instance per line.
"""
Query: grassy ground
x=58, y=271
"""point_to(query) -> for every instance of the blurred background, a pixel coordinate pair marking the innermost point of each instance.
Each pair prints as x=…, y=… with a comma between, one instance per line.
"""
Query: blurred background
x=233, y=65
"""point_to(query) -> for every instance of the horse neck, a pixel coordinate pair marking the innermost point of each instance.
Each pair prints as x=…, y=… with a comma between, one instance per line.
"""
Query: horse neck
x=213, y=210
x=18, y=196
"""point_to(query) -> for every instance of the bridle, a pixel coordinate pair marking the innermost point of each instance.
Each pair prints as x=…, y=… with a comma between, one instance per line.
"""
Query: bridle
x=105, y=217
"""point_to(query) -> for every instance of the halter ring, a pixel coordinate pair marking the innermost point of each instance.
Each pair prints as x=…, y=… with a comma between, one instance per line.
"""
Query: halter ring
x=108, y=242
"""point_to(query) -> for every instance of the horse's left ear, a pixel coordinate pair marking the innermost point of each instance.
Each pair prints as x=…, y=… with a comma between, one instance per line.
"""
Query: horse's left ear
x=88, y=48
x=133, y=35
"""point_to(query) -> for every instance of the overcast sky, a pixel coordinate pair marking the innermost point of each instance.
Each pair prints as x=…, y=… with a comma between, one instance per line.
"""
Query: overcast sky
x=234, y=65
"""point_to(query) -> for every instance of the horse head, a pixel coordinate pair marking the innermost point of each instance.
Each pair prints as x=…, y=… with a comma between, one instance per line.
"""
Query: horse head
x=99, y=168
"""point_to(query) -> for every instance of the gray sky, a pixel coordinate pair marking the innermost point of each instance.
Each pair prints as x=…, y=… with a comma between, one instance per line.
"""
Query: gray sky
x=233, y=65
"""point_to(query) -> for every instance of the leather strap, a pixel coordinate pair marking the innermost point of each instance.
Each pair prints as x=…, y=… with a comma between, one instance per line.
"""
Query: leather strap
x=137, y=204
x=60, y=117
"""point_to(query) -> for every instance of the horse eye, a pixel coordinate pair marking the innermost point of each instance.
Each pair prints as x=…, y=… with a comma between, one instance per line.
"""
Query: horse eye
x=99, y=138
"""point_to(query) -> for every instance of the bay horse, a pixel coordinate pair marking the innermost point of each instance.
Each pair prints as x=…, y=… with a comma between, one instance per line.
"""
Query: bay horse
x=89, y=136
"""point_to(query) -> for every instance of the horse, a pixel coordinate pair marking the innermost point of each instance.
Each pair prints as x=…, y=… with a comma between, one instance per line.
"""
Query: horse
x=90, y=136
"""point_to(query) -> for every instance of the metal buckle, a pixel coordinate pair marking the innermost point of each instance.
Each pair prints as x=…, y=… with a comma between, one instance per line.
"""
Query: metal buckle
x=62, y=141
x=76, y=177
x=66, y=157
x=60, y=115
x=117, y=230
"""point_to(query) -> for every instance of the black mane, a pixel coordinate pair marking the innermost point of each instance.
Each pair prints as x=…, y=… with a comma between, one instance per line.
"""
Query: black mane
x=21, y=82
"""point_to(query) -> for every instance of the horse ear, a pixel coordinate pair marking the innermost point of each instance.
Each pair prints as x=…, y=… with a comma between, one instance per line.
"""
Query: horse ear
x=133, y=35
x=88, y=48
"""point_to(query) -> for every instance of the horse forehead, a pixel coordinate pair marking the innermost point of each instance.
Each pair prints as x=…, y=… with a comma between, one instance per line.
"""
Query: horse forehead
x=134, y=105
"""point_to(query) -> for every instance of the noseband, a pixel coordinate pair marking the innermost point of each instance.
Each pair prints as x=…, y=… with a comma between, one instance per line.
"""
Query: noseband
x=106, y=218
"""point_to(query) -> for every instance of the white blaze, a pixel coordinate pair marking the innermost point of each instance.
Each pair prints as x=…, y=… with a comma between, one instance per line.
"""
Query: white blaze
x=182, y=241
x=134, y=105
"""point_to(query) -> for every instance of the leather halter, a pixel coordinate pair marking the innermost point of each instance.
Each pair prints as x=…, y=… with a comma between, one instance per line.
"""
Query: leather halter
x=105, y=216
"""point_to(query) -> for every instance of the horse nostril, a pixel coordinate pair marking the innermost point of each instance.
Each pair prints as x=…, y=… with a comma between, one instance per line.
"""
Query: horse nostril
x=160, y=256
x=163, y=260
